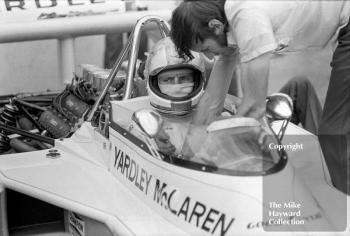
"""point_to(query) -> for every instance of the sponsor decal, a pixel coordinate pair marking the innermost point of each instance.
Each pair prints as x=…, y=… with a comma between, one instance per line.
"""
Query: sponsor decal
x=37, y=4
x=131, y=170
x=32, y=10
x=76, y=224
x=194, y=212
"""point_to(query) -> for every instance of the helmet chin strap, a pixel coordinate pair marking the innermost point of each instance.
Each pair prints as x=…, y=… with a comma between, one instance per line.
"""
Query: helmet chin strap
x=170, y=113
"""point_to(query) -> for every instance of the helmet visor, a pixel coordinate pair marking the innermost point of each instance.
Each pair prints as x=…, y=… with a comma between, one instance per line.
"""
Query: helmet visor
x=177, y=86
x=176, y=82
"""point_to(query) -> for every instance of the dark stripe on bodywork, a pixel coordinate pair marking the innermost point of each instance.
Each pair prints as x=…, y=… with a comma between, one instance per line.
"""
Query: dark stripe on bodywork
x=130, y=137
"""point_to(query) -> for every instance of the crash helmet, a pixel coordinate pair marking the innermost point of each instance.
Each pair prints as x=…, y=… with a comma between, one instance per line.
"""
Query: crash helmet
x=164, y=60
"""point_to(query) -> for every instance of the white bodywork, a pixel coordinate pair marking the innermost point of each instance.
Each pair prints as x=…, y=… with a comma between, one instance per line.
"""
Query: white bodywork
x=116, y=182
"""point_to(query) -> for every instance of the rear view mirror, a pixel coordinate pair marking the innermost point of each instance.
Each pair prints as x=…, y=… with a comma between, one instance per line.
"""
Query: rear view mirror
x=149, y=121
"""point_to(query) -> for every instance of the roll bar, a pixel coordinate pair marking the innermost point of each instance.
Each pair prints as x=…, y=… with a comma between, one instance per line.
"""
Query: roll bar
x=131, y=46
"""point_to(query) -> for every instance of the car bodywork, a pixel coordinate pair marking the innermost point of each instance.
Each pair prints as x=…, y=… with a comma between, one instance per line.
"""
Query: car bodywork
x=109, y=175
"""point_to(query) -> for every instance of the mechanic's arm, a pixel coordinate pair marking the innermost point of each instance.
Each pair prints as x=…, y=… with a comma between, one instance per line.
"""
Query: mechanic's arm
x=255, y=75
x=212, y=101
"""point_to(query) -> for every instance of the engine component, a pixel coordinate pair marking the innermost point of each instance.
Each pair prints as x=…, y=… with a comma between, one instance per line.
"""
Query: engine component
x=76, y=106
x=25, y=124
x=39, y=145
x=8, y=115
x=27, y=134
x=71, y=106
x=24, y=103
x=55, y=125
x=67, y=112
x=98, y=77
x=4, y=142
x=21, y=146
x=30, y=118
x=83, y=91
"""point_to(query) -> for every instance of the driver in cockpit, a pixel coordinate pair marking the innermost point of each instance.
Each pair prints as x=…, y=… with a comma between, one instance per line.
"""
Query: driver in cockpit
x=175, y=86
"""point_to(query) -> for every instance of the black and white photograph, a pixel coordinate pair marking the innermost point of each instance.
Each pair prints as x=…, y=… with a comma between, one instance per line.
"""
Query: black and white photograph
x=174, y=117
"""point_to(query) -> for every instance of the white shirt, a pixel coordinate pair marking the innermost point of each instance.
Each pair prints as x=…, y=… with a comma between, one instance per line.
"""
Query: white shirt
x=258, y=27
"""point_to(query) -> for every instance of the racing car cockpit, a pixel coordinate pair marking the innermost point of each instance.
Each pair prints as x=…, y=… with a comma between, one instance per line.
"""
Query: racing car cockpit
x=232, y=146
x=237, y=146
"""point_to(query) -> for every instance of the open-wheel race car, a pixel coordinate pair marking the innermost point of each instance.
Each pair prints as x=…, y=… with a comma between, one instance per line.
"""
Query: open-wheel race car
x=108, y=177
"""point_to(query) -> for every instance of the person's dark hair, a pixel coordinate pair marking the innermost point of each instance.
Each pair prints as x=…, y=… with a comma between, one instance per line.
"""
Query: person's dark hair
x=189, y=23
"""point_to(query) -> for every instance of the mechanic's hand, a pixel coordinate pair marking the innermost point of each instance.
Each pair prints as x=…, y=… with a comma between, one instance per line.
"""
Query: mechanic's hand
x=163, y=142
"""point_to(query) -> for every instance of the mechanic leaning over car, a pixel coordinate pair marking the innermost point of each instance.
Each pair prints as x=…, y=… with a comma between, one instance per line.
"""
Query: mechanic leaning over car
x=175, y=86
x=254, y=31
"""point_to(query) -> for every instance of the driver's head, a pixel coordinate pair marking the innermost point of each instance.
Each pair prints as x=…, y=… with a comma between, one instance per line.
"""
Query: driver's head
x=174, y=84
